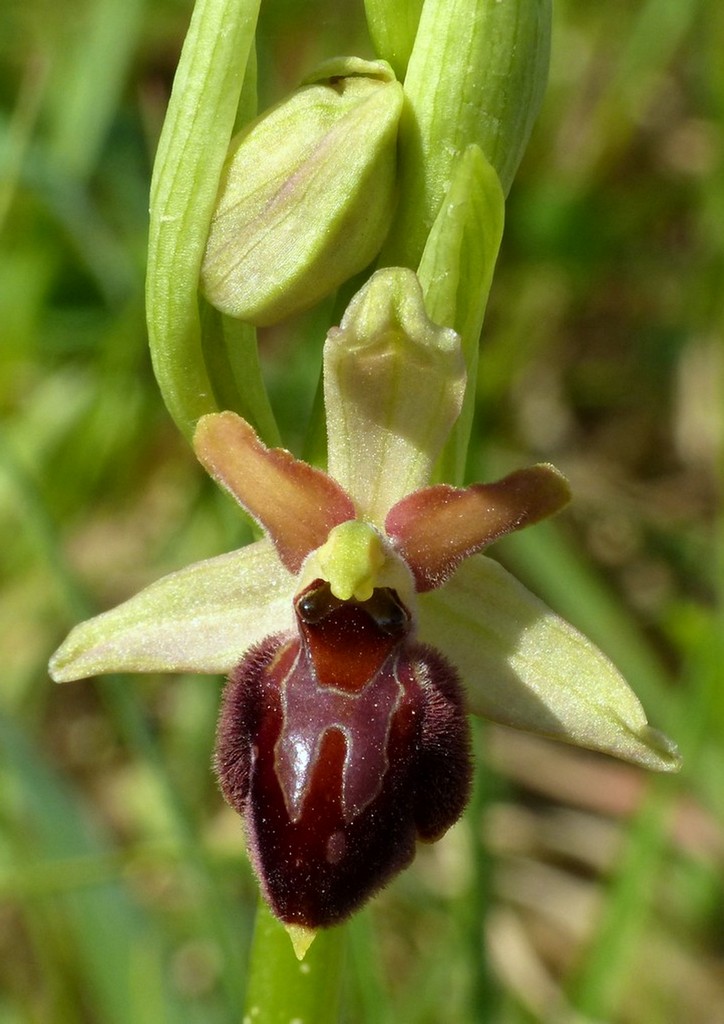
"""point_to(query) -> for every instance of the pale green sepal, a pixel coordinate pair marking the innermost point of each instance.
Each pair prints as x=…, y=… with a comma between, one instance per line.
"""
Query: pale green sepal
x=456, y=271
x=393, y=387
x=392, y=26
x=200, y=619
x=525, y=667
x=457, y=265
x=307, y=194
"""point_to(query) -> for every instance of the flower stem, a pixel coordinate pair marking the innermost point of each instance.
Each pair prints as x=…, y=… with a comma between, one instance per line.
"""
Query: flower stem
x=283, y=989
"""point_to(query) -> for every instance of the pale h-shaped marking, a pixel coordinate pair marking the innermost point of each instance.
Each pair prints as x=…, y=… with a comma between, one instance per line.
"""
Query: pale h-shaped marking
x=364, y=718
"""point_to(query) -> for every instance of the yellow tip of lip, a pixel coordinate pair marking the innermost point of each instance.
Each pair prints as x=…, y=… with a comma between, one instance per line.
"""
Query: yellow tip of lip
x=301, y=938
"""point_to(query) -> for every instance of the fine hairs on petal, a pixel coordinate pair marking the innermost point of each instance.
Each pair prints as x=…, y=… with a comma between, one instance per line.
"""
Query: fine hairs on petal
x=202, y=618
x=437, y=528
x=296, y=504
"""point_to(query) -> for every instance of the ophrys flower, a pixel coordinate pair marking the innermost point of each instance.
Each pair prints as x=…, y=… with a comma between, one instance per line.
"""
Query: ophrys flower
x=366, y=623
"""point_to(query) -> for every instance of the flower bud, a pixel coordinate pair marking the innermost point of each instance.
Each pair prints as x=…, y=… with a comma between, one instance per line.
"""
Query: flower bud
x=306, y=195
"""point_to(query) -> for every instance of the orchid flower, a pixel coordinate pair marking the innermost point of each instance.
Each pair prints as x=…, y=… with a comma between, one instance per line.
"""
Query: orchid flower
x=358, y=633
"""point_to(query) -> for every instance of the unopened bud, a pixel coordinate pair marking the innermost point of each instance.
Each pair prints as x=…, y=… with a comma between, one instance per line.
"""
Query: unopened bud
x=307, y=194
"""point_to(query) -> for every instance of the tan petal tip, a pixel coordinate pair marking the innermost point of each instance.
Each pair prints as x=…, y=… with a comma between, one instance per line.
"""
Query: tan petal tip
x=301, y=938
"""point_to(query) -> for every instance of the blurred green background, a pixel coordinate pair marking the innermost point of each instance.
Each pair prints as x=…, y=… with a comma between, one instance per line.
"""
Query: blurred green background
x=576, y=889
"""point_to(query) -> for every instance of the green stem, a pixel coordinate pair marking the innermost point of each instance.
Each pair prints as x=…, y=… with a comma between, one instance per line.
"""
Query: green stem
x=282, y=989
x=231, y=354
x=484, y=992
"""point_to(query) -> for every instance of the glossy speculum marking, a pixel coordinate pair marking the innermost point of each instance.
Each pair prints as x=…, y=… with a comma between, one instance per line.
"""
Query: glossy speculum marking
x=341, y=745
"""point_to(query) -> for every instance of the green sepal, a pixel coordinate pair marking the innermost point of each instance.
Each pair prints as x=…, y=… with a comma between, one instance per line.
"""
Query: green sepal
x=202, y=618
x=393, y=387
x=525, y=667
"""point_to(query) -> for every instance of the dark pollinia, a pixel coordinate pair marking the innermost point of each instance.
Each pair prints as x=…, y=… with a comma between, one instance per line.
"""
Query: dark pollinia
x=341, y=746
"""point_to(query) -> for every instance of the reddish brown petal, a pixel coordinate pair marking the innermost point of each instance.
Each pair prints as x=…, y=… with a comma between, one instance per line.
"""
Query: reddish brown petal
x=296, y=504
x=436, y=528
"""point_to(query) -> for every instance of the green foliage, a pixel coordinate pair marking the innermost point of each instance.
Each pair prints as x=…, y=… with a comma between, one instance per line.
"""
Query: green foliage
x=126, y=896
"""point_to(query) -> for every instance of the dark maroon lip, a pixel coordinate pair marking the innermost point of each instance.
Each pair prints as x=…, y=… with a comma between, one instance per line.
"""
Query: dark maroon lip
x=341, y=746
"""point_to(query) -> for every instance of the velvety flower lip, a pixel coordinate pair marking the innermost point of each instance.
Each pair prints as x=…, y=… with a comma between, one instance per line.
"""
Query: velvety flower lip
x=373, y=523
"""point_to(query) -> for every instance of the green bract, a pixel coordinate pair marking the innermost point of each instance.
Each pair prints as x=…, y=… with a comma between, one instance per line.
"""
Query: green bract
x=307, y=193
x=204, y=104
x=476, y=76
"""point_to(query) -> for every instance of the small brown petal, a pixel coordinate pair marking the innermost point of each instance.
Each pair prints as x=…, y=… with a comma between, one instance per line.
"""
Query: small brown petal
x=435, y=529
x=296, y=504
